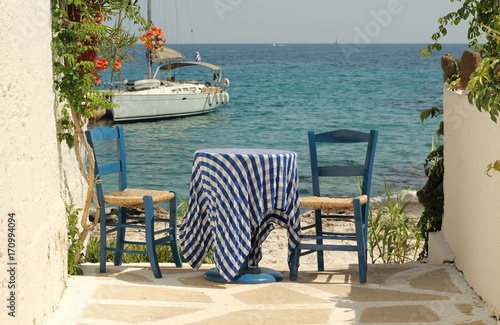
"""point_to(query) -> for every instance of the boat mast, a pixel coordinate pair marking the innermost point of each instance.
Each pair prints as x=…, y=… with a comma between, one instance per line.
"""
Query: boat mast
x=148, y=53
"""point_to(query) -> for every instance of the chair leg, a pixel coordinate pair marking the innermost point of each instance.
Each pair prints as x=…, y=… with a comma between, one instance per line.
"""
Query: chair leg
x=319, y=232
x=362, y=268
x=294, y=263
x=361, y=240
x=103, y=243
x=150, y=240
x=120, y=236
x=174, y=245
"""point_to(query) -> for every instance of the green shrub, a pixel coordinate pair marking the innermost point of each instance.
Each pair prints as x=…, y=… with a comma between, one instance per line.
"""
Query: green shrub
x=163, y=252
x=92, y=251
x=431, y=195
x=75, y=245
x=393, y=236
x=92, y=255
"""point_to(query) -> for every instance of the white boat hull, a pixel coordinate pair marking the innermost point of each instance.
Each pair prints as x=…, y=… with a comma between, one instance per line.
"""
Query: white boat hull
x=167, y=101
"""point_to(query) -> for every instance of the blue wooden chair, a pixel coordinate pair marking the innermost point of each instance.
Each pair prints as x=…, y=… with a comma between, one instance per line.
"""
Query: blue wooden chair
x=336, y=205
x=121, y=201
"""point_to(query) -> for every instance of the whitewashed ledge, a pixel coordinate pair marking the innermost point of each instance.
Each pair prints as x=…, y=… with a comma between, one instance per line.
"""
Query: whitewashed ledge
x=470, y=222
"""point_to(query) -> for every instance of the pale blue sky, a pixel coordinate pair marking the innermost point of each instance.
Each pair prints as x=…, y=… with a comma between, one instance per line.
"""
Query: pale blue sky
x=300, y=21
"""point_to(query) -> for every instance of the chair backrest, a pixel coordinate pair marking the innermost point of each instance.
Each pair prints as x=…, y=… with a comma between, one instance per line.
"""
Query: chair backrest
x=116, y=164
x=361, y=168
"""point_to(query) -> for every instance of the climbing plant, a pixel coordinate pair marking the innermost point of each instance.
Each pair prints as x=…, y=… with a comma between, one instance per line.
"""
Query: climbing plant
x=75, y=245
x=431, y=195
x=86, y=36
x=483, y=17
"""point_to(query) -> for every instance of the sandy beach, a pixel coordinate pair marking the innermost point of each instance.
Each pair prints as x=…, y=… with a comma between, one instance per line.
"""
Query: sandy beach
x=275, y=246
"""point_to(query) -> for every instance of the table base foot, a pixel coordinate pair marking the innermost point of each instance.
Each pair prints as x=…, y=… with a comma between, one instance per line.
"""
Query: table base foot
x=265, y=275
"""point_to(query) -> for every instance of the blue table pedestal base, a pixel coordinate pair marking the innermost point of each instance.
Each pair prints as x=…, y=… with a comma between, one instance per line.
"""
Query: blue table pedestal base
x=252, y=275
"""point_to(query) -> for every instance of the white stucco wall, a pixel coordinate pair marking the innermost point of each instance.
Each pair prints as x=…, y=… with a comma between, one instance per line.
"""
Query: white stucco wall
x=471, y=223
x=33, y=182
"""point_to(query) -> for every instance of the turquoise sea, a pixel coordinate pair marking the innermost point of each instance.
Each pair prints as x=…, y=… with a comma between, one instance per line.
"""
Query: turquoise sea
x=279, y=92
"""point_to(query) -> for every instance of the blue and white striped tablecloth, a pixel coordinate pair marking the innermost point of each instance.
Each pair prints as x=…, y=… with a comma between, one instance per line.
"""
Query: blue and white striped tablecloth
x=237, y=196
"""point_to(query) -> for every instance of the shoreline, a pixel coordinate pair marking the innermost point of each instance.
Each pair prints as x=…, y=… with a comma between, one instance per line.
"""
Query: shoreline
x=414, y=207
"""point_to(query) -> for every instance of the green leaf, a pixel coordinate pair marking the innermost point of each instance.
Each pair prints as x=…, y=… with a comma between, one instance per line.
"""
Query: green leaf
x=424, y=115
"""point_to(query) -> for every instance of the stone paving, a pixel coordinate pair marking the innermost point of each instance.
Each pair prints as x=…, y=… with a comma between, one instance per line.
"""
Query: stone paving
x=413, y=293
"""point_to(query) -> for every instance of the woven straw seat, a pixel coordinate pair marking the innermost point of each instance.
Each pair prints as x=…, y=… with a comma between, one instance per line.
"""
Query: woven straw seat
x=328, y=203
x=133, y=197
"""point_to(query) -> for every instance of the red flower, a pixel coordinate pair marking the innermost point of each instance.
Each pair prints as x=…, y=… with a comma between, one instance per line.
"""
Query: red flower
x=153, y=39
x=97, y=80
x=117, y=64
x=99, y=18
x=102, y=64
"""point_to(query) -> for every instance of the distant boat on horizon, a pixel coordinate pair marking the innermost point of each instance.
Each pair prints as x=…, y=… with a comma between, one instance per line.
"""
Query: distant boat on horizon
x=274, y=44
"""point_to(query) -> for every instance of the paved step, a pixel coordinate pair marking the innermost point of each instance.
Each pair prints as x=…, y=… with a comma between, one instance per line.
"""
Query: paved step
x=412, y=293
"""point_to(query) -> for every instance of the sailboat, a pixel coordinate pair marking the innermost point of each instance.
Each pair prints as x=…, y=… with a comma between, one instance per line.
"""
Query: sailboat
x=162, y=96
